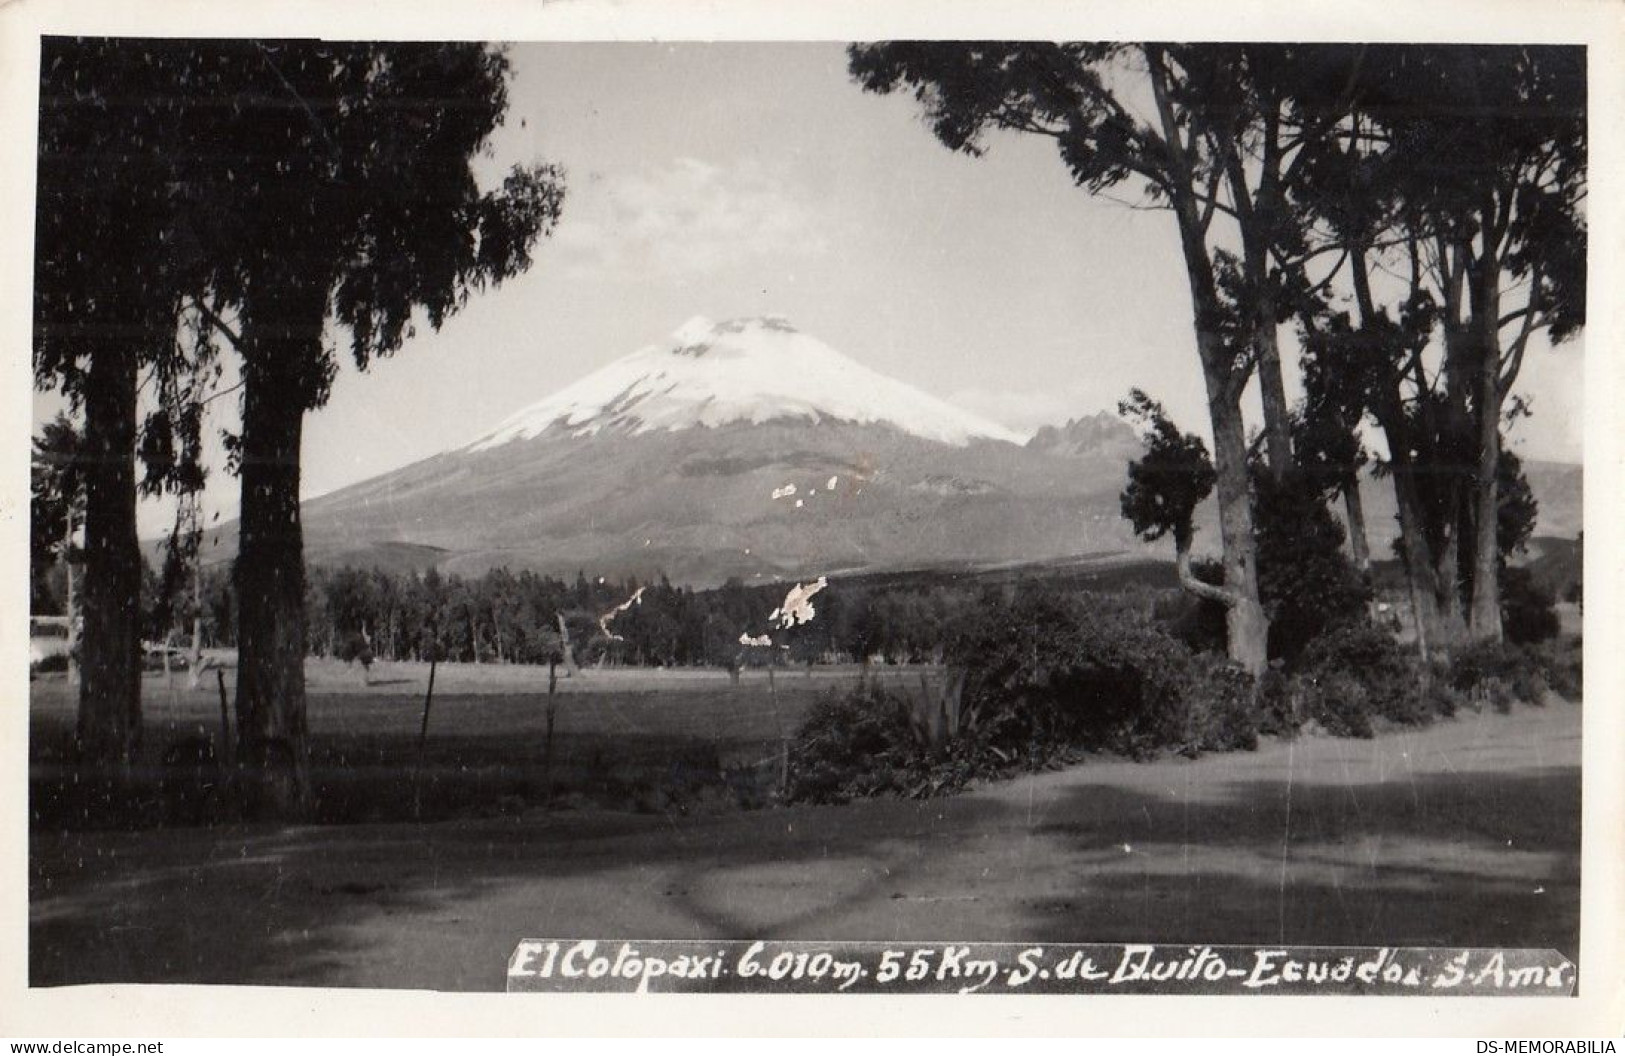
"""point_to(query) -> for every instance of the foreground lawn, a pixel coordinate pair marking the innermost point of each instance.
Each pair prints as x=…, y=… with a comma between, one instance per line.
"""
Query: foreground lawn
x=625, y=739
x=1466, y=833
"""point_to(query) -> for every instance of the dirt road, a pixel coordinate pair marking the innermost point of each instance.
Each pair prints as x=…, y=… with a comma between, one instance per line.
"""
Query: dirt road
x=1463, y=834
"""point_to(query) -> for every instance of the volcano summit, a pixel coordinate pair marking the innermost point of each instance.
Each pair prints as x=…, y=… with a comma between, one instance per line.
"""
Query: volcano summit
x=751, y=371
x=744, y=448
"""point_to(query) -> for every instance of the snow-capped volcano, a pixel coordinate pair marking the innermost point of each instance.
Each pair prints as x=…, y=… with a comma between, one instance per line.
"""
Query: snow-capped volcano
x=754, y=371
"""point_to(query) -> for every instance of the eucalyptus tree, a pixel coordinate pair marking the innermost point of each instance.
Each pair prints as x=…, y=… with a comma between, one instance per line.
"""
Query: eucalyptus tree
x=1205, y=132
x=1507, y=253
x=1455, y=182
x=108, y=281
x=338, y=196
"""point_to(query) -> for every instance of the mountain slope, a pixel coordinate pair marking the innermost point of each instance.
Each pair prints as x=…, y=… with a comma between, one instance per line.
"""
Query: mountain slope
x=749, y=449
x=699, y=504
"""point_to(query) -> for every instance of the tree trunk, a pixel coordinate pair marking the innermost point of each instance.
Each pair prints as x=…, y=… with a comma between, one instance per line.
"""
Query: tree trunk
x=109, y=721
x=1272, y=394
x=1430, y=634
x=269, y=571
x=1484, y=618
x=69, y=601
x=1447, y=588
x=1246, y=626
x=195, y=661
x=1358, y=546
x=1435, y=600
x=552, y=713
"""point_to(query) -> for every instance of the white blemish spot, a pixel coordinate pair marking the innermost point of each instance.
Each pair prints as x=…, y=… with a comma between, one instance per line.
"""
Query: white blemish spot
x=798, y=607
x=832, y=482
x=799, y=504
x=603, y=621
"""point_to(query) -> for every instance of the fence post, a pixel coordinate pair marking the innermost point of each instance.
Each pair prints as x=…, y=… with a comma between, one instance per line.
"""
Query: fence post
x=423, y=737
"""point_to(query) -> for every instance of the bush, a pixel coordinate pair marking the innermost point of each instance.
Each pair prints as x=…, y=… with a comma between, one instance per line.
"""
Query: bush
x=1197, y=623
x=354, y=648
x=56, y=662
x=1339, y=703
x=1528, y=610
x=1306, y=582
x=1048, y=677
x=1221, y=709
x=1280, y=712
x=1563, y=664
x=1391, y=683
x=851, y=745
x=1050, y=671
x=1504, y=673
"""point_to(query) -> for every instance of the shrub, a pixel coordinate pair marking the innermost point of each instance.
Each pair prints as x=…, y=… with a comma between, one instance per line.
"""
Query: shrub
x=1528, y=610
x=851, y=745
x=1221, y=710
x=1305, y=580
x=1339, y=703
x=56, y=662
x=1047, y=676
x=1502, y=673
x=1562, y=662
x=1279, y=702
x=1391, y=682
x=1050, y=670
x=354, y=648
x=1197, y=623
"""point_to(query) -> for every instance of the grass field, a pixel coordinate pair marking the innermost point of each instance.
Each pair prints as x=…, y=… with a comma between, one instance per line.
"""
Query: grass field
x=624, y=738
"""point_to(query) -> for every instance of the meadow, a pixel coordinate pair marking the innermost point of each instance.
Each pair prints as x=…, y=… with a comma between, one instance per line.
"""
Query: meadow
x=636, y=739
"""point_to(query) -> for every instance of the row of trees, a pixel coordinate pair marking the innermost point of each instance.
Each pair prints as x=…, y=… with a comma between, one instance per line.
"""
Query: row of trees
x=264, y=199
x=1416, y=213
x=506, y=617
x=502, y=617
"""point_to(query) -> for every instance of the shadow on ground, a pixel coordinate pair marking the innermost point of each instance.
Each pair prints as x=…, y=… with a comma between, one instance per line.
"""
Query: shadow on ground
x=1214, y=855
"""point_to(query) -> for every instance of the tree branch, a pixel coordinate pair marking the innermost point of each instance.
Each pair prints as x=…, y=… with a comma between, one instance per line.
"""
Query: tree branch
x=214, y=320
x=1192, y=585
x=1513, y=361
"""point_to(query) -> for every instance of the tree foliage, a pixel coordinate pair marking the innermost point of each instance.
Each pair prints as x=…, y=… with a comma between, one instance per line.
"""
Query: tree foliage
x=1167, y=483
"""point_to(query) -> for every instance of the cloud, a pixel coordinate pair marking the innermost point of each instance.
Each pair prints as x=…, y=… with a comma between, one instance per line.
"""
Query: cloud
x=687, y=218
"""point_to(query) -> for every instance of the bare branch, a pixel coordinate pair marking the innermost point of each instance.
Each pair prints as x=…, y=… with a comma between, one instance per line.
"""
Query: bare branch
x=1188, y=580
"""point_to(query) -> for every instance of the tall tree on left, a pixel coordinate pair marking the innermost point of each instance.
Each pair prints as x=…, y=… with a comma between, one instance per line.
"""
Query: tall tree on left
x=107, y=282
x=337, y=192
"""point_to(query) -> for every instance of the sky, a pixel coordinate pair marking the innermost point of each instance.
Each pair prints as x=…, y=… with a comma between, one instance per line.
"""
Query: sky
x=747, y=179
